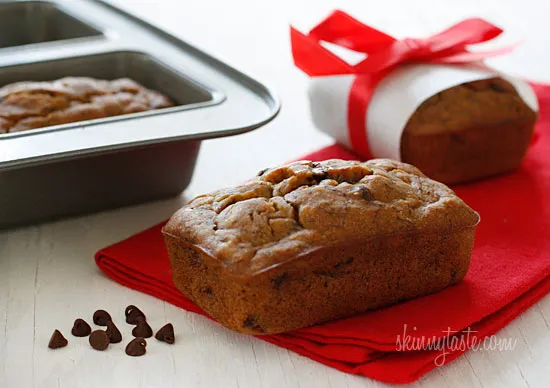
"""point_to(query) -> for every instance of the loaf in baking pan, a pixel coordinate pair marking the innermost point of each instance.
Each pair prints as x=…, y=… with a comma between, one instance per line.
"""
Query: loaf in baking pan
x=31, y=105
x=468, y=132
x=311, y=242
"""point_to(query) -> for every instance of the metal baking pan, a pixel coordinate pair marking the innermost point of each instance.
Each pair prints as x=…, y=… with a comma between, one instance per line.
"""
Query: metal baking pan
x=98, y=164
x=32, y=22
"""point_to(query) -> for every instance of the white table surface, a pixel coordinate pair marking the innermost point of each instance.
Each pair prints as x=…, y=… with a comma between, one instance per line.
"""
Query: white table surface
x=48, y=276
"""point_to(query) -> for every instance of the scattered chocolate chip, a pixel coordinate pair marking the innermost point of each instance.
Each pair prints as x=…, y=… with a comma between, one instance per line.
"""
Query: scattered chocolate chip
x=142, y=328
x=101, y=317
x=136, y=347
x=81, y=328
x=132, y=312
x=113, y=333
x=57, y=340
x=99, y=340
x=166, y=334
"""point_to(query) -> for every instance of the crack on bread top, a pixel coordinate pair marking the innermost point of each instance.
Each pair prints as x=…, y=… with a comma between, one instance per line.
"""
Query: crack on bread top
x=289, y=210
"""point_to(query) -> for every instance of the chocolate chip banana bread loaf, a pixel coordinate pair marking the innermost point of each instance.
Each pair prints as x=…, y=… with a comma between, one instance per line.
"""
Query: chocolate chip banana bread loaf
x=311, y=242
x=30, y=105
x=468, y=132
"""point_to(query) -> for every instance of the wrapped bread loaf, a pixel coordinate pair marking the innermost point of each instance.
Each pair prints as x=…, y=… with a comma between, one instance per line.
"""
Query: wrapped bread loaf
x=456, y=124
x=429, y=101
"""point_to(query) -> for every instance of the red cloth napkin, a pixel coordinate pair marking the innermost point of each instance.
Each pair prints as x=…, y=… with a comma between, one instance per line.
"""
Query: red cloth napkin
x=509, y=272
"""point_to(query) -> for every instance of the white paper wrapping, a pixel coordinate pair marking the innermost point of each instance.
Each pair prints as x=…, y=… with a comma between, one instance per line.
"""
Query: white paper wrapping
x=394, y=101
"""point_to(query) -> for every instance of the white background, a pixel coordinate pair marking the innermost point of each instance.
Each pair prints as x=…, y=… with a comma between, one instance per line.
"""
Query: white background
x=47, y=273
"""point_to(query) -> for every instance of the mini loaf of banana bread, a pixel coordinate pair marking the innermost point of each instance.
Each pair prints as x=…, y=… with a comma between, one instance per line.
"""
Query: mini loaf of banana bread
x=468, y=132
x=30, y=105
x=311, y=242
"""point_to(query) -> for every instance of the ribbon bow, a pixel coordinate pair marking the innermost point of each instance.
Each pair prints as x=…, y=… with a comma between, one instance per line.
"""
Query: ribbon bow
x=384, y=53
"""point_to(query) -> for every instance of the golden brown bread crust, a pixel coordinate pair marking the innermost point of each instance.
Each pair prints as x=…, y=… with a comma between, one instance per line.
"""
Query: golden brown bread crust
x=311, y=242
x=30, y=105
x=469, y=132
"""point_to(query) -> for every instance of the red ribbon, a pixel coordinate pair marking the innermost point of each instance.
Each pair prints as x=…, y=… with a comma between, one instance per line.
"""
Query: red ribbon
x=384, y=53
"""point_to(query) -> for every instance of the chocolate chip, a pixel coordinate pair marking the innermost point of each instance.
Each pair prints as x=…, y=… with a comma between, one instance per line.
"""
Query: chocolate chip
x=433, y=100
x=262, y=172
x=166, y=334
x=99, y=340
x=453, y=275
x=324, y=273
x=142, y=328
x=57, y=340
x=250, y=323
x=101, y=317
x=458, y=138
x=501, y=86
x=81, y=328
x=366, y=193
x=277, y=281
x=343, y=263
x=475, y=85
x=132, y=312
x=207, y=290
x=136, y=347
x=194, y=258
x=113, y=333
x=320, y=174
